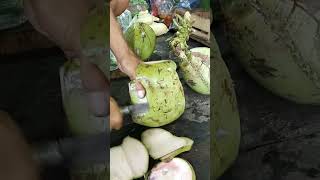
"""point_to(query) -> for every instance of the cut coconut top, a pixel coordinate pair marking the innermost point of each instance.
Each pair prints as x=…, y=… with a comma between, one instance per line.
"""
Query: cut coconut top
x=176, y=169
x=160, y=142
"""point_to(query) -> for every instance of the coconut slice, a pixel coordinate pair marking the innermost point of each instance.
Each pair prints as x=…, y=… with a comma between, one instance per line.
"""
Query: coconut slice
x=176, y=169
x=128, y=161
x=163, y=145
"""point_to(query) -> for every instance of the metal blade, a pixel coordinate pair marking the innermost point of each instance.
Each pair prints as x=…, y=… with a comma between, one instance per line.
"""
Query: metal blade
x=136, y=109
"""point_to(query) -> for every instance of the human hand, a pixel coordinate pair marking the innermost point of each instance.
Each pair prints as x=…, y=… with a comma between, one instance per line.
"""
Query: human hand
x=128, y=65
x=115, y=115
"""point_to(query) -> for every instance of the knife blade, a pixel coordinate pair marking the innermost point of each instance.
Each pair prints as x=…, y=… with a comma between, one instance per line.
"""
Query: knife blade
x=133, y=110
x=75, y=151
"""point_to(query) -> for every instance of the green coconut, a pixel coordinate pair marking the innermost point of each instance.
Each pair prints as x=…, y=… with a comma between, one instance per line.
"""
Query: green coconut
x=129, y=160
x=278, y=43
x=164, y=93
x=94, y=41
x=177, y=168
x=225, y=127
x=194, y=63
x=141, y=39
x=80, y=120
x=163, y=145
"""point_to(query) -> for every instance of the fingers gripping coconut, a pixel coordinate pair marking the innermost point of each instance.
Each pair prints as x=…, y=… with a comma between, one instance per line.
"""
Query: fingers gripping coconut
x=66, y=24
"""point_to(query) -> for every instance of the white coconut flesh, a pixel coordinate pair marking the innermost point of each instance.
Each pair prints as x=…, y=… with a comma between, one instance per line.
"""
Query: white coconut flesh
x=128, y=161
x=159, y=28
x=176, y=169
x=162, y=144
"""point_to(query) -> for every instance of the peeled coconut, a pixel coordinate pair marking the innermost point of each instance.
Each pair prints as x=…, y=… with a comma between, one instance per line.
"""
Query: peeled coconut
x=176, y=169
x=129, y=160
x=163, y=145
x=141, y=39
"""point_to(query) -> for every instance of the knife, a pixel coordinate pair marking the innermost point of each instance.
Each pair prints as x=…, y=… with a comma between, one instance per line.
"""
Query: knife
x=134, y=110
x=75, y=151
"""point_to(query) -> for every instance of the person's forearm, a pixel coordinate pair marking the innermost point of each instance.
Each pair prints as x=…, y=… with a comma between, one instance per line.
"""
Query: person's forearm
x=118, y=44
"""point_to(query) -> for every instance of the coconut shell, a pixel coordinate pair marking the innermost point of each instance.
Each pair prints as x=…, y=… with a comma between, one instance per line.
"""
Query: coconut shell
x=278, y=44
x=225, y=126
x=141, y=39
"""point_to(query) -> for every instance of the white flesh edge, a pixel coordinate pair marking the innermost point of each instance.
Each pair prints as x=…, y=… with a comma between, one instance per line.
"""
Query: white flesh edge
x=160, y=142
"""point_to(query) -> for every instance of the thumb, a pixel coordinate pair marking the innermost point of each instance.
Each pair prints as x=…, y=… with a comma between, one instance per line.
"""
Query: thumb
x=141, y=92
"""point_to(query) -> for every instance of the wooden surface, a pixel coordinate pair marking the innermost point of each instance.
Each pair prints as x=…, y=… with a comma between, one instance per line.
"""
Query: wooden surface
x=201, y=25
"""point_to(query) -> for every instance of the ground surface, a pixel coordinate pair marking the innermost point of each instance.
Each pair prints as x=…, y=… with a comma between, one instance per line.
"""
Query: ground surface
x=280, y=139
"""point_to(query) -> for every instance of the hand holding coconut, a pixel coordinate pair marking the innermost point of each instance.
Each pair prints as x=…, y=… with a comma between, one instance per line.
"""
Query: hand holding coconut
x=66, y=24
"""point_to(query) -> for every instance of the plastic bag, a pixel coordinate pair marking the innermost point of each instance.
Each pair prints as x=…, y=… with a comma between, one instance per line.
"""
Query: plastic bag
x=135, y=6
x=163, y=9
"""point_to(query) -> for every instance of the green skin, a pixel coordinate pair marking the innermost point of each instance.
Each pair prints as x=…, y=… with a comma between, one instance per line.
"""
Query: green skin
x=196, y=72
x=141, y=39
x=80, y=123
x=225, y=128
x=164, y=93
x=278, y=44
x=175, y=153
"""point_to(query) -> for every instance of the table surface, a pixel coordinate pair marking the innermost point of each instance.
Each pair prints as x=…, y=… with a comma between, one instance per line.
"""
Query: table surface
x=194, y=122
